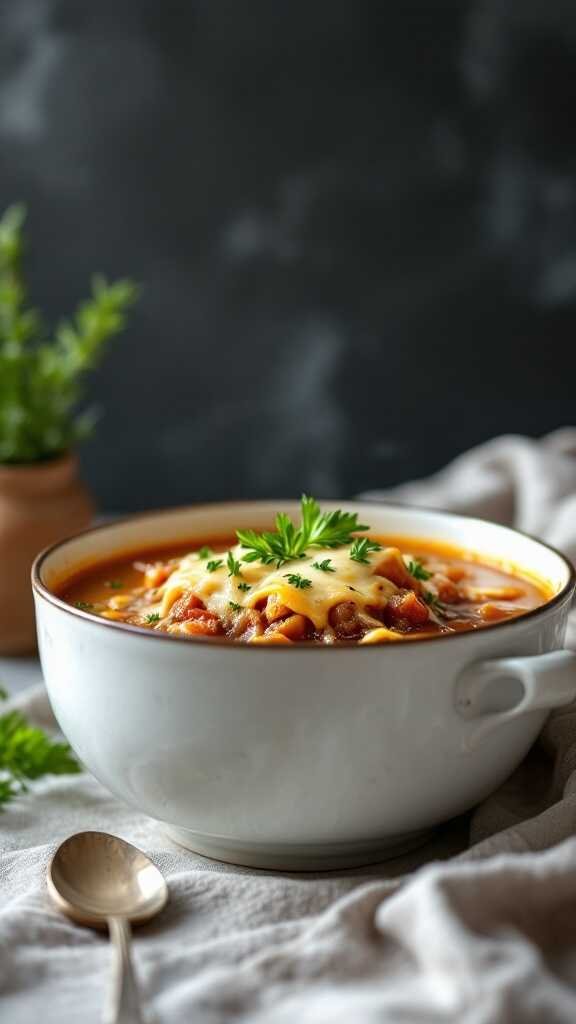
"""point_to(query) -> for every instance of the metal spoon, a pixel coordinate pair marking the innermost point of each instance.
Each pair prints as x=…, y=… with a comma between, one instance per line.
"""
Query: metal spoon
x=101, y=881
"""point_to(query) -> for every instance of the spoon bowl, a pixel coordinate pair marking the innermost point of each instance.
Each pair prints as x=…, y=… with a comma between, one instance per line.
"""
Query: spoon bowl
x=102, y=881
x=94, y=876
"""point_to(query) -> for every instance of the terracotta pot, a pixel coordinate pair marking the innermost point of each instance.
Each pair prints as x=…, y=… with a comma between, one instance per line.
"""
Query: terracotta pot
x=39, y=505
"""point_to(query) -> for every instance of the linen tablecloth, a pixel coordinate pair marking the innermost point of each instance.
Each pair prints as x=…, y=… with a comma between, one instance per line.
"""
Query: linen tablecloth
x=479, y=927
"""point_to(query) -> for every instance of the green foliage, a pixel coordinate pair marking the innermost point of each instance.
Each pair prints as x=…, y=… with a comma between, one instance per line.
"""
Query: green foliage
x=361, y=548
x=216, y=563
x=324, y=566
x=40, y=375
x=317, y=529
x=234, y=567
x=27, y=753
x=417, y=570
x=298, y=581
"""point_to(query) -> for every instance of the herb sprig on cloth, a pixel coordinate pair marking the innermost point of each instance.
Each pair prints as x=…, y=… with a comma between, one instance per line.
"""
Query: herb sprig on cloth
x=317, y=529
x=27, y=753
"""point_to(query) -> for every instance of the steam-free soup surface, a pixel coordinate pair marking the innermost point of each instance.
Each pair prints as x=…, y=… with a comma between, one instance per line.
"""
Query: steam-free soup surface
x=368, y=590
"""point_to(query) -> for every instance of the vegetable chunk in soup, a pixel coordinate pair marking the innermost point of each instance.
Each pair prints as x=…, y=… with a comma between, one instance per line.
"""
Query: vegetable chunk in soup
x=320, y=582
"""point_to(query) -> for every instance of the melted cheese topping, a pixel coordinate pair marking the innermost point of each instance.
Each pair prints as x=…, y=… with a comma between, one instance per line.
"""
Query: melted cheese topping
x=351, y=581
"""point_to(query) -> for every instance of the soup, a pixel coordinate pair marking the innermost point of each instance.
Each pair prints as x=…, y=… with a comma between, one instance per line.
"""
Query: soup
x=326, y=581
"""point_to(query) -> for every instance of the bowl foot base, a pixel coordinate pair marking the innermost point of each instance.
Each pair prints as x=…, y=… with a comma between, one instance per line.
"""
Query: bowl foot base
x=296, y=856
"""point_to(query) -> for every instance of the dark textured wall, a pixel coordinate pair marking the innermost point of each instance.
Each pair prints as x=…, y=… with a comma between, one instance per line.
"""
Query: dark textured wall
x=355, y=226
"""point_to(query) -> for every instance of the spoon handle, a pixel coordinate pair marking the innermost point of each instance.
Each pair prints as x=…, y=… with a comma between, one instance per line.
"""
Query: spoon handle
x=123, y=1005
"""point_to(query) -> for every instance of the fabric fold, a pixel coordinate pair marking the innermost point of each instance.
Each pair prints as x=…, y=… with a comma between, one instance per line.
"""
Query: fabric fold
x=478, y=927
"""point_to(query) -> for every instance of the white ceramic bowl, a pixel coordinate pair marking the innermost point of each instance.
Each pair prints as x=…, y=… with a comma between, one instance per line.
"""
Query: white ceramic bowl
x=310, y=756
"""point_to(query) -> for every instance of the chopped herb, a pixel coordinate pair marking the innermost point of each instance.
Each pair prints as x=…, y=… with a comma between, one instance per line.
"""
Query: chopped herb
x=324, y=566
x=234, y=567
x=295, y=580
x=417, y=570
x=317, y=529
x=153, y=617
x=235, y=607
x=84, y=606
x=212, y=566
x=244, y=586
x=114, y=584
x=362, y=547
x=353, y=589
x=28, y=753
x=433, y=601
x=204, y=552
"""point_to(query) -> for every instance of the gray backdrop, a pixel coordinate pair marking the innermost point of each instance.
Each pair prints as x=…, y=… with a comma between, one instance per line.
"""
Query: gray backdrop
x=355, y=225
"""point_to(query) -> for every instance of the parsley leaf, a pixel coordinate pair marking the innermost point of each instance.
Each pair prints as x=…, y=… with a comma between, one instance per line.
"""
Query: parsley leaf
x=212, y=566
x=204, y=552
x=362, y=547
x=317, y=529
x=234, y=567
x=153, y=617
x=298, y=581
x=417, y=570
x=244, y=586
x=234, y=606
x=28, y=753
x=114, y=584
x=324, y=566
x=433, y=602
x=84, y=606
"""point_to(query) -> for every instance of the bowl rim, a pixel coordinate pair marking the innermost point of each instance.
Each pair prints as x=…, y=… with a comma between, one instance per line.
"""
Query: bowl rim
x=42, y=591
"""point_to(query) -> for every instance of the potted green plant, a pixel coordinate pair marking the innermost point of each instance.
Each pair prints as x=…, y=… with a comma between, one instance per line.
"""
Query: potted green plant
x=41, y=496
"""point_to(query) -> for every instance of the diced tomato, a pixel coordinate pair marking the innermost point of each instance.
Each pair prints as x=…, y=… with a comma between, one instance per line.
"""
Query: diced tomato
x=202, y=623
x=183, y=608
x=406, y=611
x=391, y=566
x=445, y=589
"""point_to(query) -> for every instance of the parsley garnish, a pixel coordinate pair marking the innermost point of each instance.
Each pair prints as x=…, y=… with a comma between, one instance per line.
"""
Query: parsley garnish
x=204, y=552
x=234, y=567
x=114, y=584
x=417, y=570
x=212, y=566
x=324, y=566
x=84, y=606
x=243, y=586
x=153, y=617
x=433, y=601
x=361, y=547
x=27, y=753
x=317, y=529
x=298, y=581
x=235, y=607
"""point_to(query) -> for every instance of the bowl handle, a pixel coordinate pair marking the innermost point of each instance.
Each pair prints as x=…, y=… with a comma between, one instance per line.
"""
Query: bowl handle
x=494, y=692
